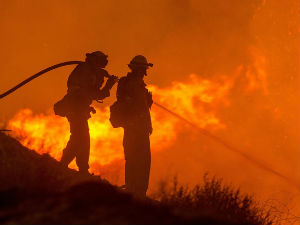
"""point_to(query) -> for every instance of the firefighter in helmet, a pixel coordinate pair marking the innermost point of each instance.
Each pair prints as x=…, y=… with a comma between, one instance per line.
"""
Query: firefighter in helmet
x=84, y=85
x=136, y=100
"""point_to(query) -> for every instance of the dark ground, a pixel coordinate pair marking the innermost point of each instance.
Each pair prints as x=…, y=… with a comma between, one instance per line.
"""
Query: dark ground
x=35, y=189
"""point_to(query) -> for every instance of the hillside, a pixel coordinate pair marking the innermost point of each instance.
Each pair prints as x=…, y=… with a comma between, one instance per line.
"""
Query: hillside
x=35, y=189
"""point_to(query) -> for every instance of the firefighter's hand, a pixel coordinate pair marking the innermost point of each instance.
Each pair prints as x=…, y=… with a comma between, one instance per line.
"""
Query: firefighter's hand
x=111, y=81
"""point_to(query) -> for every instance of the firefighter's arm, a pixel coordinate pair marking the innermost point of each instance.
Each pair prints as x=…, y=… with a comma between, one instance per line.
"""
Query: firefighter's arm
x=105, y=91
x=149, y=99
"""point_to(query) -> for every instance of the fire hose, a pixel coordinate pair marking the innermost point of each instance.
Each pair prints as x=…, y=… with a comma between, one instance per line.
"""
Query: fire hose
x=37, y=75
x=225, y=144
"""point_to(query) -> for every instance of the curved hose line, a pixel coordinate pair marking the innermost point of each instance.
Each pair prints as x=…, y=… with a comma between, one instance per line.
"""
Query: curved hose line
x=37, y=75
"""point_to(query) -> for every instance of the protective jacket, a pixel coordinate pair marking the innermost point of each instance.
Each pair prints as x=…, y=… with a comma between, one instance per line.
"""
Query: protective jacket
x=83, y=87
x=135, y=101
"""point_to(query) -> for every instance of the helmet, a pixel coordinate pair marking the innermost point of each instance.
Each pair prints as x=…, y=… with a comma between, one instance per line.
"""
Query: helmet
x=97, y=58
x=97, y=54
x=140, y=60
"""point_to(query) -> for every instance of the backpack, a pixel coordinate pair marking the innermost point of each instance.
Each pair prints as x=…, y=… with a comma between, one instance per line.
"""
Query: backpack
x=61, y=107
x=117, y=117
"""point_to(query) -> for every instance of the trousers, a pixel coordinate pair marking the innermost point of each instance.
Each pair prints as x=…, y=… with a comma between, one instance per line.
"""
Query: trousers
x=78, y=145
x=137, y=161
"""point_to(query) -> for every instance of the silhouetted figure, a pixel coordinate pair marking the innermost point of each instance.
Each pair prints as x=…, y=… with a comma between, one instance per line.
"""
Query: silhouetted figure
x=84, y=85
x=135, y=101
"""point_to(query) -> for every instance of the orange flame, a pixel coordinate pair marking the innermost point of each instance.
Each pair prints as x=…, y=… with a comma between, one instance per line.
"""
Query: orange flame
x=47, y=133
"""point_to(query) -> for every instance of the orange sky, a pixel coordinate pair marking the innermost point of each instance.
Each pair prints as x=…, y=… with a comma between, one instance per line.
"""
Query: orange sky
x=180, y=37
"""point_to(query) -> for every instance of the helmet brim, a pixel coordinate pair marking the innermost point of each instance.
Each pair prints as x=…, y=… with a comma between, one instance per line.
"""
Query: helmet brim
x=141, y=64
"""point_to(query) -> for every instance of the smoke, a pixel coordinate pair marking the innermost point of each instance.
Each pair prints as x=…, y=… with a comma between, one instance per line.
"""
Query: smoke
x=180, y=37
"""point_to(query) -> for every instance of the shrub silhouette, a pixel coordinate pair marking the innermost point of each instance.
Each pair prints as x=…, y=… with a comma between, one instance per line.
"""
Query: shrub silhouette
x=213, y=198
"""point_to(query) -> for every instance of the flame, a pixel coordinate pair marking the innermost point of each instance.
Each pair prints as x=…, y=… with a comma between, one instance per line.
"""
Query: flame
x=196, y=99
x=47, y=133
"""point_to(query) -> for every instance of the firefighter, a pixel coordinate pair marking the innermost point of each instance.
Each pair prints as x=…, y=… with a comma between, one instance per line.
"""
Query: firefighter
x=84, y=85
x=136, y=103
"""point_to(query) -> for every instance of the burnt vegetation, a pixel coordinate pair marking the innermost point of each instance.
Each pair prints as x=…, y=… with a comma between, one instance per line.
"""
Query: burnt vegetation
x=36, y=189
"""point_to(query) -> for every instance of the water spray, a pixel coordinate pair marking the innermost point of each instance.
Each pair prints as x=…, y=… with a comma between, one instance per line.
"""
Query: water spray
x=231, y=148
